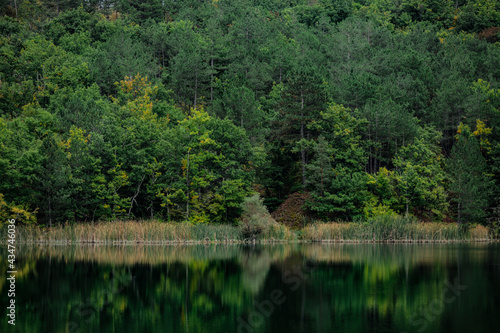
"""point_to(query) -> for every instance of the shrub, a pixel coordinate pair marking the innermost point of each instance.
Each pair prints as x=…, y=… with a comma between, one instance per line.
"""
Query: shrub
x=255, y=219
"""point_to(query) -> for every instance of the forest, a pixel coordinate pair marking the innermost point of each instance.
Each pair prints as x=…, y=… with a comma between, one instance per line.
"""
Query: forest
x=179, y=110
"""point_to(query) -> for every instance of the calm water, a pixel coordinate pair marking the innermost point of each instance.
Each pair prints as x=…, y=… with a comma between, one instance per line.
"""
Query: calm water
x=234, y=288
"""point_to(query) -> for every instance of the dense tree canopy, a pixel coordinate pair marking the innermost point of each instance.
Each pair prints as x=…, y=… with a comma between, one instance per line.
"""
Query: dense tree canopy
x=180, y=109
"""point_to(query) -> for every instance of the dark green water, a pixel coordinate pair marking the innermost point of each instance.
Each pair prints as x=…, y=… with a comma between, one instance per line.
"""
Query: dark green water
x=234, y=288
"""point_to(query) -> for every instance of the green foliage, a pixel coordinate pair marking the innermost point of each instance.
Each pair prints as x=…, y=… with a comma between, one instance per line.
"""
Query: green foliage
x=20, y=162
x=216, y=173
x=118, y=57
x=373, y=209
x=102, y=108
x=19, y=213
x=189, y=71
x=420, y=176
x=76, y=21
x=336, y=174
x=478, y=15
x=240, y=105
x=470, y=185
x=140, y=11
x=383, y=186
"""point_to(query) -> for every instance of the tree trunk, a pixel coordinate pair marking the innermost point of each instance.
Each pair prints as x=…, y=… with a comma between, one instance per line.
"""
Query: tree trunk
x=322, y=185
x=195, y=91
x=212, y=80
x=187, y=184
x=302, y=150
x=135, y=196
x=50, y=214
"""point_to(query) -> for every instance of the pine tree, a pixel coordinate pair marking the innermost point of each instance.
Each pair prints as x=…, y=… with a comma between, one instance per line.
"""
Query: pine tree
x=471, y=186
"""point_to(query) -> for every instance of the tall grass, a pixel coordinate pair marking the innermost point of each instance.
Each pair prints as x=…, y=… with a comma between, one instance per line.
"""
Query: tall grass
x=128, y=232
x=393, y=228
x=381, y=229
x=141, y=232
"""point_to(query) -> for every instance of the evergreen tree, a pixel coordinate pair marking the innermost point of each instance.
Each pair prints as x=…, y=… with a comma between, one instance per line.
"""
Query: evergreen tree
x=470, y=185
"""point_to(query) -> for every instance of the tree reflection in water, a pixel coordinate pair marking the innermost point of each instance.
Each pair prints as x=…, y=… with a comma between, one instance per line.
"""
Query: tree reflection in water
x=353, y=287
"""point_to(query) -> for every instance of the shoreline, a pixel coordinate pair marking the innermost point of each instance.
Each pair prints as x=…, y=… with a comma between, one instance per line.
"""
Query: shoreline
x=175, y=233
x=260, y=242
x=252, y=242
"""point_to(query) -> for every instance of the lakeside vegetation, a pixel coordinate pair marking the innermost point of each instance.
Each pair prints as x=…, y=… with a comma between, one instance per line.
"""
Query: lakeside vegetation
x=256, y=225
x=156, y=232
x=370, y=110
x=394, y=230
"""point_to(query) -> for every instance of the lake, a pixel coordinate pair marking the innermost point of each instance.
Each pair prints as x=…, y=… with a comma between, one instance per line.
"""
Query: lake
x=255, y=288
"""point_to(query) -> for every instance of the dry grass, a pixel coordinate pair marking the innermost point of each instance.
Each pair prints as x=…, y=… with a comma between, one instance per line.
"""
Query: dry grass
x=128, y=232
x=141, y=232
x=480, y=233
x=387, y=229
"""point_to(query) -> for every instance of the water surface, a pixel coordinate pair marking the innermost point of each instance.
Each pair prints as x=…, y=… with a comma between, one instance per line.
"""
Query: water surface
x=271, y=288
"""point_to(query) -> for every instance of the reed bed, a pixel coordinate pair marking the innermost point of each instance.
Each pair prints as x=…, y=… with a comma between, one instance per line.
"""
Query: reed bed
x=394, y=229
x=140, y=232
x=278, y=232
x=128, y=232
x=387, y=229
